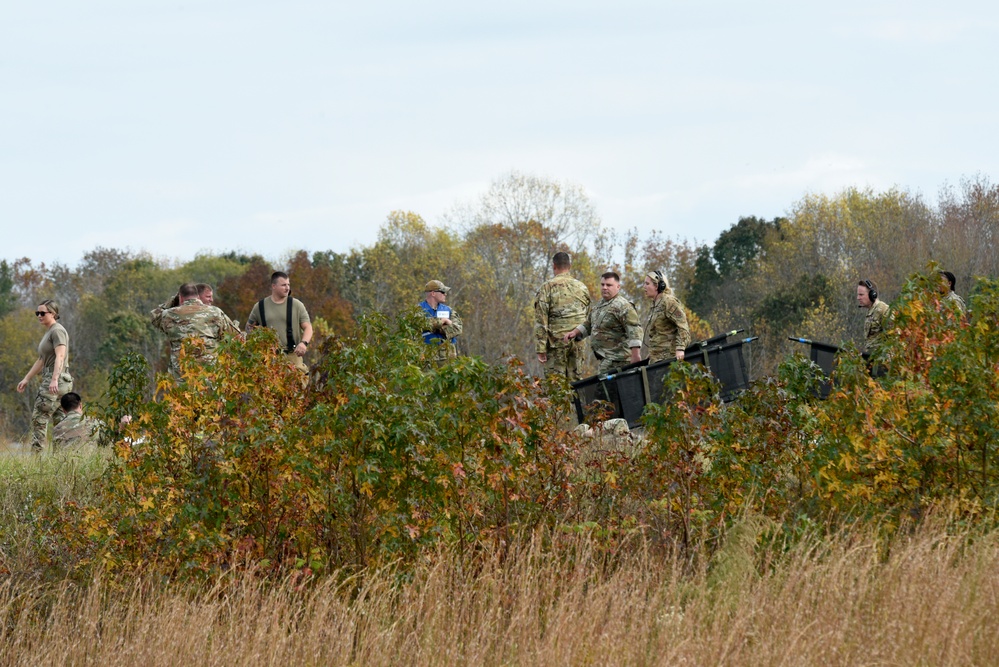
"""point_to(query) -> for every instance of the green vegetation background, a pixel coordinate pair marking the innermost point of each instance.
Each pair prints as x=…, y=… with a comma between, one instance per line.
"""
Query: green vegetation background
x=794, y=275
x=384, y=457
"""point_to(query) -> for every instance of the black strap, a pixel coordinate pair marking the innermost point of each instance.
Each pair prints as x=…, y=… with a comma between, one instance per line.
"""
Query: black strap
x=291, y=338
x=288, y=332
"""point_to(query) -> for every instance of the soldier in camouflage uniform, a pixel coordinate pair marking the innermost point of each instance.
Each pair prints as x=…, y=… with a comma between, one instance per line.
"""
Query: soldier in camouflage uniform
x=560, y=305
x=613, y=324
x=205, y=296
x=192, y=319
x=877, y=314
x=75, y=429
x=443, y=324
x=667, y=334
x=947, y=284
x=53, y=366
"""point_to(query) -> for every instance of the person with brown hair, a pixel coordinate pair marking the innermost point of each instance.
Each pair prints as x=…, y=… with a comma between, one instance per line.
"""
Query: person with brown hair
x=560, y=305
x=53, y=365
x=287, y=316
x=612, y=324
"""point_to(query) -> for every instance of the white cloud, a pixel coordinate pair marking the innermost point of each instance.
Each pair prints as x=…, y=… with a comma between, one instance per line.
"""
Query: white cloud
x=932, y=31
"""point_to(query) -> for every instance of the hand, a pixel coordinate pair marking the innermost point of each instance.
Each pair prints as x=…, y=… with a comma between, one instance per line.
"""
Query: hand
x=54, y=386
x=542, y=357
x=21, y=385
x=301, y=349
x=636, y=354
x=445, y=322
x=679, y=355
x=569, y=336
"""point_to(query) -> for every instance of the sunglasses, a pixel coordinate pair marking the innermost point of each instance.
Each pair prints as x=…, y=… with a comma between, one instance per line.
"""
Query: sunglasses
x=41, y=313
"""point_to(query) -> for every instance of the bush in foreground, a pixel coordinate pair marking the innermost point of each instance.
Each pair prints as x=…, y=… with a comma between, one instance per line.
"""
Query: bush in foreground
x=384, y=456
x=242, y=464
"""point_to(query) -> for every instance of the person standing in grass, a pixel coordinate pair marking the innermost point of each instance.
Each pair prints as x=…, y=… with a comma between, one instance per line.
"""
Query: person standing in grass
x=53, y=365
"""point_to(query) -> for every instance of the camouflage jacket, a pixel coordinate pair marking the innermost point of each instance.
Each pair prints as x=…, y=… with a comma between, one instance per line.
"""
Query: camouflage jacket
x=193, y=319
x=435, y=332
x=957, y=300
x=560, y=305
x=666, y=329
x=75, y=429
x=613, y=324
x=875, y=324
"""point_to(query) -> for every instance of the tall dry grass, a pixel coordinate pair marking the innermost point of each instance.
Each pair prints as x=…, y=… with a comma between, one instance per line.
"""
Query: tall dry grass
x=932, y=600
x=31, y=483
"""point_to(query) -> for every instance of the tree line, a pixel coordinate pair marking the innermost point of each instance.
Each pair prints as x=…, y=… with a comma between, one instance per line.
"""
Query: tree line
x=790, y=275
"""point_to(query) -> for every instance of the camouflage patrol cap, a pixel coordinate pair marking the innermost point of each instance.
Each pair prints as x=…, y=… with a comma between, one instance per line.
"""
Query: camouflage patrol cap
x=436, y=286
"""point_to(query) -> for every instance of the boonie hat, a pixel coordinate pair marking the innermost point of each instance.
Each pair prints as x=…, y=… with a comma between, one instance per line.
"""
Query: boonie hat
x=436, y=286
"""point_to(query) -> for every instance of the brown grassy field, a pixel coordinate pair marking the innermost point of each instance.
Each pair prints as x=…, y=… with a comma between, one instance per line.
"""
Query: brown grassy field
x=930, y=598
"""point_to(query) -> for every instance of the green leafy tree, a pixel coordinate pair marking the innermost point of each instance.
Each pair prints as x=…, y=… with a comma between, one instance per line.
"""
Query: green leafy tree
x=8, y=298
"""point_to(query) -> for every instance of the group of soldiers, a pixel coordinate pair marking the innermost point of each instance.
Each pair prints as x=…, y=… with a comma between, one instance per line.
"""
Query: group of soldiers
x=878, y=312
x=564, y=317
x=563, y=311
x=192, y=314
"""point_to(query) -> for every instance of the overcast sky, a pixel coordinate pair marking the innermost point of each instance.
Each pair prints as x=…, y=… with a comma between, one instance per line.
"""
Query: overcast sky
x=187, y=126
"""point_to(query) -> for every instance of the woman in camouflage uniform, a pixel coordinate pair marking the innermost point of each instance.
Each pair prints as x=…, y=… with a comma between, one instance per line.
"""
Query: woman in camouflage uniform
x=53, y=365
x=666, y=331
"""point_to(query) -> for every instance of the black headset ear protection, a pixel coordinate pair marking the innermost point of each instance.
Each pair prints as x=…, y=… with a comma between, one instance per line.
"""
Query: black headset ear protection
x=661, y=283
x=872, y=291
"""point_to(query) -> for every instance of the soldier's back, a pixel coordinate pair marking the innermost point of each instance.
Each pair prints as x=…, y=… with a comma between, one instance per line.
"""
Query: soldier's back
x=75, y=430
x=568, y=302
x=193, y=320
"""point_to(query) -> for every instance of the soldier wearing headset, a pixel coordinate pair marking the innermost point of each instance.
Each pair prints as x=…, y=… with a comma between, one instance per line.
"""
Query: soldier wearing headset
x=877, y=314
x=666, y=331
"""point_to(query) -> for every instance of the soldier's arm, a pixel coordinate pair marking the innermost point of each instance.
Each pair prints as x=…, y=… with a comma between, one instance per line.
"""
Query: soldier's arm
x=253, y=319
x=582, y=330
x=228, y=326
x=679, y=318
x=585, y=328
x=632, y=328
x=156, y=315
x=881, y=318
x=541, y=307
x=454, y=328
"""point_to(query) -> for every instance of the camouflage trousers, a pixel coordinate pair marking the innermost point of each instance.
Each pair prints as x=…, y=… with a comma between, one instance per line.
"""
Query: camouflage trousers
x=47, y=407
x=296, y=361
x=566, y=361
x=442, y=353
x=608, y=365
